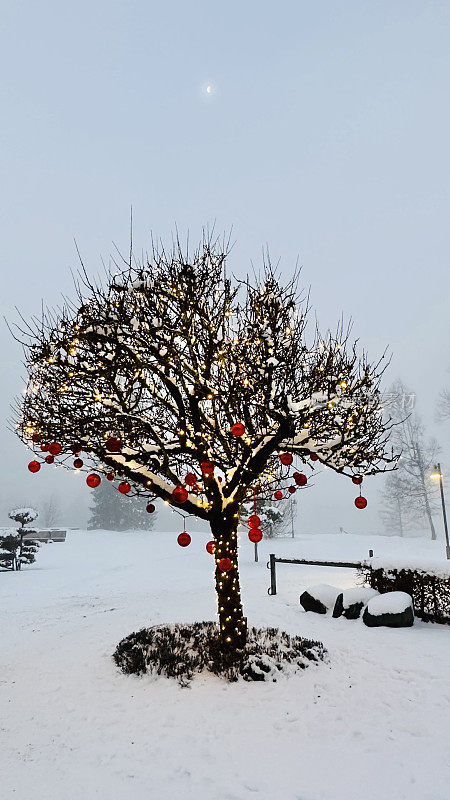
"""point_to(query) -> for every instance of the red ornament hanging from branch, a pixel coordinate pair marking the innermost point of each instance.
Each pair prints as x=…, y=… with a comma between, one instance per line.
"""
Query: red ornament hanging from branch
x=44, y=447
x=300, y=479
x=180, y=494
x=150, y=508
x=34, y=466
x=55, y=448
x=190, y=479
x=124, y=487
x=225, y=564
x=255, y=535
x=292, y=489
x=49, y=459
x=210, y=547
x=110, y=476
x=357, y=479
x=184, y=539
x=278, y=495
x=93, y=480
x=254, y=521
x=207, y=467
x=313, y=456
x=238, y=429
x=360, y=502
x=76, y=448
x=78, y=463
x=286, y=459
x=113, y=444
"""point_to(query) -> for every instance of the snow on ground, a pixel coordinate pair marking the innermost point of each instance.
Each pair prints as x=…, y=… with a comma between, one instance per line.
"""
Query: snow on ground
x=371, y=723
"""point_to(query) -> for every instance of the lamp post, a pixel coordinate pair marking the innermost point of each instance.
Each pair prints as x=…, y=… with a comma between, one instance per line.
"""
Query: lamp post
x=438, y=474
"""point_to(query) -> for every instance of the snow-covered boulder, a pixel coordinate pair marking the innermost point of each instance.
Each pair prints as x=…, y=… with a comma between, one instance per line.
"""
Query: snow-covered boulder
x=392, y=609
x=351, y=602
x=319, y=598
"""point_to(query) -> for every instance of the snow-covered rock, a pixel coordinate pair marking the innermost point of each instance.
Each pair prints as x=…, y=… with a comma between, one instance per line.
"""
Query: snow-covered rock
x=391, y=609
x=351, y=602
x=319, y=598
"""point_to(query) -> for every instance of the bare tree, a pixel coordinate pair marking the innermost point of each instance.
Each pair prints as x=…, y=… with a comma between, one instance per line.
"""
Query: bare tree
x=395, y=509
x=443, y=406
x=199, y=390
x=50, y=511
x=417, y=459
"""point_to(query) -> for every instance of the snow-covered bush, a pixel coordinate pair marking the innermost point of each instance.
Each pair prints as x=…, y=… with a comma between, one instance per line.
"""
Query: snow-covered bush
x=351, y=602
x=23, y=515
x=429, y=586
x=393, y=610
x=180, y=651
x=22, y=550
x=320, y=598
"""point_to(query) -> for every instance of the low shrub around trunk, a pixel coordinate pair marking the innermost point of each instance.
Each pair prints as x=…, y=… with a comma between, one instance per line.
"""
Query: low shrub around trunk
x=180, y=651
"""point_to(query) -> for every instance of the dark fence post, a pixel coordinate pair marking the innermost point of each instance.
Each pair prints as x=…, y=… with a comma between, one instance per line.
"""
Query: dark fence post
x=273, y=577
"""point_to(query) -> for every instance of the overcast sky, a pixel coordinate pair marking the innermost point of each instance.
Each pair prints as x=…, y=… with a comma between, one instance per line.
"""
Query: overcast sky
x=325, y=134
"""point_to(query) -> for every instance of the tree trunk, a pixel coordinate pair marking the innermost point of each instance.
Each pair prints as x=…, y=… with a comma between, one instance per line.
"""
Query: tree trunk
x=400, y=520
x=233, y=624
x=430, y=518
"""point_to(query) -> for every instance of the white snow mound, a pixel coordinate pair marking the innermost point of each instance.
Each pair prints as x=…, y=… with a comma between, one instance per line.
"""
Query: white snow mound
x=325, y=593
x=358, y=594
x=389, y=603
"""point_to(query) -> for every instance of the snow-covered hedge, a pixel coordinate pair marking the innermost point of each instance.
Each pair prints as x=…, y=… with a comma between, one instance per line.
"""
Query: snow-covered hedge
x=430, y=590
x=180, y=651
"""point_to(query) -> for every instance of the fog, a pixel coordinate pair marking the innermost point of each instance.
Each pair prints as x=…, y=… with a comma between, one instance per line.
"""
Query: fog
x=324, y=136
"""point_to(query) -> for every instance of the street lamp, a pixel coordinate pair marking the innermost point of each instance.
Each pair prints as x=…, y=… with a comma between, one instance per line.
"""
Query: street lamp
x=438, y=474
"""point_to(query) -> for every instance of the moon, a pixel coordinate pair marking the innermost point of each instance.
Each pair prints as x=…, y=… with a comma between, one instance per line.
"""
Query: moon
x=208, y=90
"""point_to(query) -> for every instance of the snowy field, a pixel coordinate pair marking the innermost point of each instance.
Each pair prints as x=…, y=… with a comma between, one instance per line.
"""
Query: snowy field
x=371, y=724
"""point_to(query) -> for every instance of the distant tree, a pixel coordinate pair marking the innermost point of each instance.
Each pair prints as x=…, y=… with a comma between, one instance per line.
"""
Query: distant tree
x=395, y=508
x=417, y=459
x=443, y=406
x=113, y=511
x=50, y=511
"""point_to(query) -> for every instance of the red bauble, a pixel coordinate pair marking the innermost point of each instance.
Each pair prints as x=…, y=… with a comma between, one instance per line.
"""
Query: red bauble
x=180, y=494
x=292, y=489
x=255, y=535
x=360, y=502
x=357, y=479
x=207, y=467
x=49, y=459
x=225, y=564
x=55, y=448
x=76, y=448
x=44, y=447
x=110, y=476
x=210, y=546
x=124, y=487
x=286, y=459
x=238, y=429
x=150, y=508
x=113, y=444
x=78, y=463
x=313, y=456
x=34, y=466
x=300, y=479
x=278, y=495
x=254, y=521
x=36, y=438
x=93, y=480
x=190, y=479
x=184, y=539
